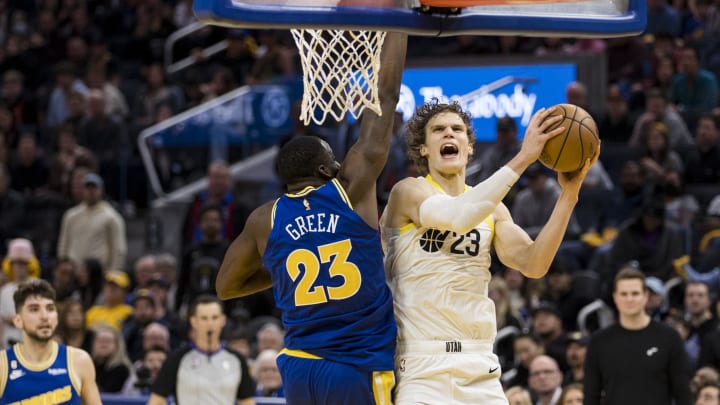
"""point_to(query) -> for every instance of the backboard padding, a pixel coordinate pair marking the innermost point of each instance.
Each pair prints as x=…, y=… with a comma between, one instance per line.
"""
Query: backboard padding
x=589, y=18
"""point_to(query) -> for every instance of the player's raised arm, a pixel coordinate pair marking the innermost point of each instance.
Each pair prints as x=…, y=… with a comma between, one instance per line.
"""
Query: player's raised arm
x=366, y=158
x=532, y=258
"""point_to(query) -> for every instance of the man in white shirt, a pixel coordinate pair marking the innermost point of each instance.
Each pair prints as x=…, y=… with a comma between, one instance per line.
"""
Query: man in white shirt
x=93, y=229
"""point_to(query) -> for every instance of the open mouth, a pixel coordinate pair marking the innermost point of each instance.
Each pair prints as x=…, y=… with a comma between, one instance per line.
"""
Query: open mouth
x=448, y=150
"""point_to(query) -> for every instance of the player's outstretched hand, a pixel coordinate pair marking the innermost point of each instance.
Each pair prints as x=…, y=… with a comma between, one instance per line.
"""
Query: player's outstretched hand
x=538, y=132
x=572, y=181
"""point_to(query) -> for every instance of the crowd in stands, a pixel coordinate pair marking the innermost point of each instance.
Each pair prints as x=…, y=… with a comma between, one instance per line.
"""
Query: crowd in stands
x=82, y=78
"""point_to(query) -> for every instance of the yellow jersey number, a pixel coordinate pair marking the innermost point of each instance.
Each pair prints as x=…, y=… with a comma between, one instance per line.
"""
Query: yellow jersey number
x=336, y=253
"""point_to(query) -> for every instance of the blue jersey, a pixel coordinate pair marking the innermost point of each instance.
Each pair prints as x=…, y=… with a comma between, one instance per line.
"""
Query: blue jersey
x=50, y=383
x=326, y=265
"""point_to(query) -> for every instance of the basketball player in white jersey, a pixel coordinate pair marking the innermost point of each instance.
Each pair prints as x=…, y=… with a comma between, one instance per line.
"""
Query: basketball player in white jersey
x=437, y=233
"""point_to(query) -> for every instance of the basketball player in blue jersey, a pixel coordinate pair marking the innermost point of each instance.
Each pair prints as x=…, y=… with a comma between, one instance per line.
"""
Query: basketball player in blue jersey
x=39, y=370
x=318, y=247
x=438, y=233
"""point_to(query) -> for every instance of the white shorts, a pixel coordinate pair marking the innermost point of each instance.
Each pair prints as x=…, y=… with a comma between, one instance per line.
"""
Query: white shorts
x=448, y=373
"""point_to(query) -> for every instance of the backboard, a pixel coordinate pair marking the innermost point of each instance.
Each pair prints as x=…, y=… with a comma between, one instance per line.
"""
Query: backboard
x=566, y=18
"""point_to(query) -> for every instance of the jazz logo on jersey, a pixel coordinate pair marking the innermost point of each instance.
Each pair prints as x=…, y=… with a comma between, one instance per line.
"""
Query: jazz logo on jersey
x=56, y=396
x=433, y=241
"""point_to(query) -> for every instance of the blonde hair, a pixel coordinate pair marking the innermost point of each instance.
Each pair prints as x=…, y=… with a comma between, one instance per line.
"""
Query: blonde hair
x=523, y=395
x=502, y=306
x=119, y=356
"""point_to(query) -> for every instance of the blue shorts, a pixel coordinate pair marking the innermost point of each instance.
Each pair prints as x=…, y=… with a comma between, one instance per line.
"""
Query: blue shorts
x=310, y=380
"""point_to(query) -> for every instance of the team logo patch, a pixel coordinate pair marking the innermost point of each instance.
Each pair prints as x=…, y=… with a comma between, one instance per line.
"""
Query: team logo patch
x=432, y=240
x=402, y=365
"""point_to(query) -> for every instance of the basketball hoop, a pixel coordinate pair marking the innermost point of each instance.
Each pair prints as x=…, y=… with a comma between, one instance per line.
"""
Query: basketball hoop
x=340, y=72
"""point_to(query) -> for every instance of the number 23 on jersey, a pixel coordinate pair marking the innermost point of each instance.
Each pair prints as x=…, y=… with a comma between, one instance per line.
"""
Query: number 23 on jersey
x=336, y=253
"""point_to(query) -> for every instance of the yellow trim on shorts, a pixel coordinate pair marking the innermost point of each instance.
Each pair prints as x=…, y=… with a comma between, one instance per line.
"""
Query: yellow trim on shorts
x=4, y=366
x=383, y=383
x=299, y=353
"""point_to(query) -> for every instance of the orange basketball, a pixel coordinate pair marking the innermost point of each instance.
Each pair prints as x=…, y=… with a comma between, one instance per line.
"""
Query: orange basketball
x=568, y=151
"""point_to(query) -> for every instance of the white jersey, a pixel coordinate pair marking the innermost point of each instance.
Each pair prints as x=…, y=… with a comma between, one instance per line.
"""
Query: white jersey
x=439, y=280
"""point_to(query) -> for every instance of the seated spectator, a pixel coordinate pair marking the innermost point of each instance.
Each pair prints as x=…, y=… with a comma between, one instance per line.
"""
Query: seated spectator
x=650, y=240
x=28, y=169
x=708, y=394
x=112, y=365
x=143, y=314
x=680, y=206
x=527, y=346
x=572, y=395
x=506, y=316
x=69, y=155
x=658, y=157
x=160, y=289
x=113, y=311
x=63, y=279
x=270, y=336
x=703, y=160
x=617, y=124
x=20, y=256
x=547, y=324
x=267, y=375
x=545, y=380
x=156, y=335
x=71, y=329
x=146, y=370
x=656, y=305
x=89, y=281
x=237, y=339
x=533, y=205
x=518, y=395
x=12, y=207
x=575, y=355
x=658, y=110
x=703, y=376
x=694, y=90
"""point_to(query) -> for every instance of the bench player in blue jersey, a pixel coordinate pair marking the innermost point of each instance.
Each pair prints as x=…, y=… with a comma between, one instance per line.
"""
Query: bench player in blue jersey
x=39, y=370
x=318, y=247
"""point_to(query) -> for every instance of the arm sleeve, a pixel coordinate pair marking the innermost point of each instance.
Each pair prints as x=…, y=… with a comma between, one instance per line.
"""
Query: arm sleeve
x=246, y=389
x=462, y=213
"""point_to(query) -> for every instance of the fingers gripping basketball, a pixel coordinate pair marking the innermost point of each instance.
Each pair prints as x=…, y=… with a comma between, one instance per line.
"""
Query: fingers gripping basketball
x=568, y=151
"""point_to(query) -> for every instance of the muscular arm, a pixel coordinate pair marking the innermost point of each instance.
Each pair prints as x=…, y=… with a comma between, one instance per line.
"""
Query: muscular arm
x=366, y=158
x=241, y=272
x=533, y=258
x=83, y=365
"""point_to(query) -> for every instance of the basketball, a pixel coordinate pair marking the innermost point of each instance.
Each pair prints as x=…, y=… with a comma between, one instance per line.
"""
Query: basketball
x=568, y=151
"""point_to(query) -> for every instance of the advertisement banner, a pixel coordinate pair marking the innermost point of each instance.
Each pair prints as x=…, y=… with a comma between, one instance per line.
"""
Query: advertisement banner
x=489, y=92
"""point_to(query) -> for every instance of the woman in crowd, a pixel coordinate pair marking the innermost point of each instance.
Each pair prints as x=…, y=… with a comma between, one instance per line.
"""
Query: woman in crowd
x=112, y=364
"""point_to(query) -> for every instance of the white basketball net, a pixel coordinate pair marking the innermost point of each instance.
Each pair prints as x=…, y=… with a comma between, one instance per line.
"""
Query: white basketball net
x=339, y=72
